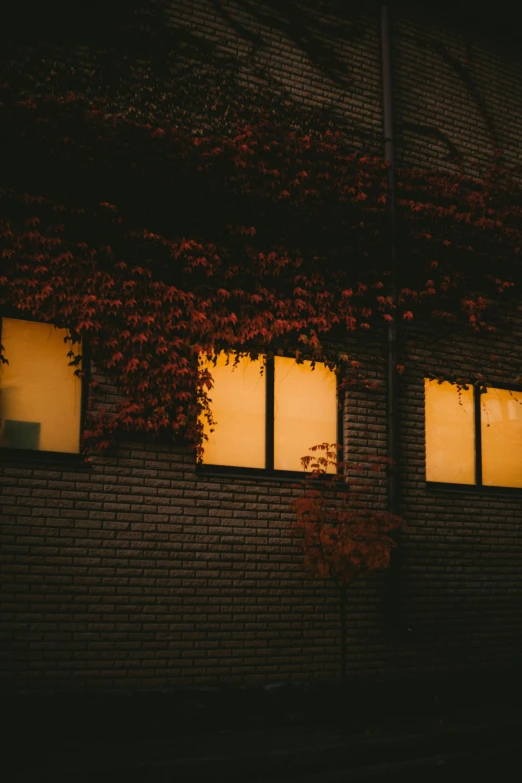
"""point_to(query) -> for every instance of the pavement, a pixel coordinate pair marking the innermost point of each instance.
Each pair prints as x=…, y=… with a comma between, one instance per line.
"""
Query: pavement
x=79, y=739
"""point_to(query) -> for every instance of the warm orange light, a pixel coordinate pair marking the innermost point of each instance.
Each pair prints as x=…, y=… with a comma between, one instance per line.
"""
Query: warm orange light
x=40, y=397
x=450, y=433
x=501, y=426
x=238, y=400
x=305, y=411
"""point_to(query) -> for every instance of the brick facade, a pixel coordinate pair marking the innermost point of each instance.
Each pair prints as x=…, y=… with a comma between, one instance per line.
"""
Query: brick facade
x=135, y=571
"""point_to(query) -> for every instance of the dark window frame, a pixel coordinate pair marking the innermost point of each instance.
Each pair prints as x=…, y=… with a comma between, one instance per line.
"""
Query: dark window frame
x=269, y=471
x=478, y=486
x=42, y=455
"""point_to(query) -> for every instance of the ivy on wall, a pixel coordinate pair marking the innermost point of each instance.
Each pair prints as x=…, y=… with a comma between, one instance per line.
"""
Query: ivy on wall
x=161, y=243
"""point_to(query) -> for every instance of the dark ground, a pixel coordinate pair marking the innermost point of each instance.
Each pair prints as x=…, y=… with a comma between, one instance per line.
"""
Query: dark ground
x=466, y=727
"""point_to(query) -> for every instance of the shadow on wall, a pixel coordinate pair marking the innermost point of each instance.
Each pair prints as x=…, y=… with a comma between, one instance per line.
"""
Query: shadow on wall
x=215, y=44
x=502, y=22
x=310, y=26
x=322, y=53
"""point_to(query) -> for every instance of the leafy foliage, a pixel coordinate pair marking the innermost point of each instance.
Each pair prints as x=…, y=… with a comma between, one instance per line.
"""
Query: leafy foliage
x=342, y=537
x=158, y=244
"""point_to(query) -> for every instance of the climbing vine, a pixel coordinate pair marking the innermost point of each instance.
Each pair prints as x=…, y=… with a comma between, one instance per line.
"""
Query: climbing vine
x=159, y=244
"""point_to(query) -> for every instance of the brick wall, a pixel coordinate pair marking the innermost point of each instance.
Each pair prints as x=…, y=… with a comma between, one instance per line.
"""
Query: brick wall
x=135, y=571
x=461, y=586
x=457, y=96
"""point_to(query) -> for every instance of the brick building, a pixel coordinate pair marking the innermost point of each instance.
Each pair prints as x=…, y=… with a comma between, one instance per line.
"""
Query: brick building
x=140, y=569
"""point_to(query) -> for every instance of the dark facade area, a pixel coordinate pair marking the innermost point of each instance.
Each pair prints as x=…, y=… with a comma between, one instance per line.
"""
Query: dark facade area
x=138, y=570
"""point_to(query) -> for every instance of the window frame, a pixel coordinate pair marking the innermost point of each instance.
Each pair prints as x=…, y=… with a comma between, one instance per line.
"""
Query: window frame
x=41, y=455
x=269, y=472
x=478, y=486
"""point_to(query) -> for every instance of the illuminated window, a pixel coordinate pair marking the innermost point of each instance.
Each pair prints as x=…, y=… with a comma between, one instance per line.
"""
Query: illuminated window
x=473, y=437
x=269, y=420
x=305, y=410
x=501, y=435
x=40, y=397
x=450, y=433
x=238, y=406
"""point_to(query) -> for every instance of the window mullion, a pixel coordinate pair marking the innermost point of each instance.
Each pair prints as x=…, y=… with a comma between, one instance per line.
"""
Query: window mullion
x=340, y=400
x=478, y=437
x=269, y=422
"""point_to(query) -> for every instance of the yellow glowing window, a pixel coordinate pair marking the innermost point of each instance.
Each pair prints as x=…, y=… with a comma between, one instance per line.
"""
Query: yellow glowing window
x=238, y=402
x=456, y=452
x=501, y=431
x=305, y=411
x=269, y=420
x=450, y=433
x=40, y=397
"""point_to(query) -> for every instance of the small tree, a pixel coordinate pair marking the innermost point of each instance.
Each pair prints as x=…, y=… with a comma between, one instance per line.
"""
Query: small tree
x=342, y=537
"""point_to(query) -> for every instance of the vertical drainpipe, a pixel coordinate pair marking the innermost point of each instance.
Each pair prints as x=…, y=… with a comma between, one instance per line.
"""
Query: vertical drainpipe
x=392, y=379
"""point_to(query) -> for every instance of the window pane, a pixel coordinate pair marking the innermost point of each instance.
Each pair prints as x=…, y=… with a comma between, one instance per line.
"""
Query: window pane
x=501, y=426
x=238, y=400
x=40, y=397
x=305, y=411
x=450, y=433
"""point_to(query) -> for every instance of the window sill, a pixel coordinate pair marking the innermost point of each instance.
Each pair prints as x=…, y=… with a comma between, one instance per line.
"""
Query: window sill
x=31, y=455
x=260, y=474
x=474, y=489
